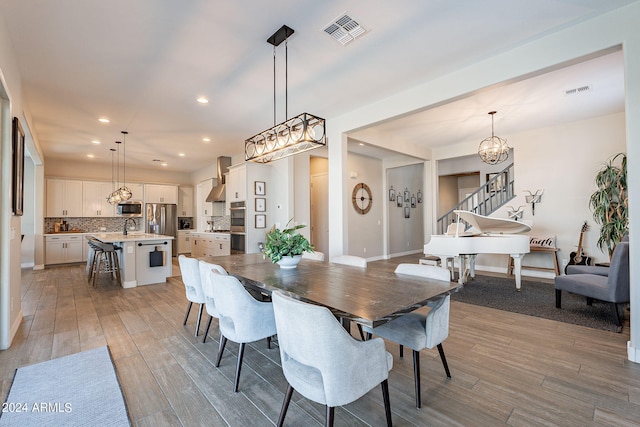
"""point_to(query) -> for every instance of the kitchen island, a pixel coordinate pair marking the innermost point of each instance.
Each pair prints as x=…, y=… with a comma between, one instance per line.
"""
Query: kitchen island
x=140, y=262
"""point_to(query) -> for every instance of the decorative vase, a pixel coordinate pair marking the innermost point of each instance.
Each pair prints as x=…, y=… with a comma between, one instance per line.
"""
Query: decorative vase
x=289, y=261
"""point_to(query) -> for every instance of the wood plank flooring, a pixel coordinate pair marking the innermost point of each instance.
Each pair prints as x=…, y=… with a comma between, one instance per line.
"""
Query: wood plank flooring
x=508, y=369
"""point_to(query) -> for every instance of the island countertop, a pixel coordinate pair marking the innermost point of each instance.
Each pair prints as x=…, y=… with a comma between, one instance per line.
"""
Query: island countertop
x=131, y=237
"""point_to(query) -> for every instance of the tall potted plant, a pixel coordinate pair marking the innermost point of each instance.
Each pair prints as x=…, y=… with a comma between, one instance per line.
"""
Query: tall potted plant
x=610, y=202
x=286, y=247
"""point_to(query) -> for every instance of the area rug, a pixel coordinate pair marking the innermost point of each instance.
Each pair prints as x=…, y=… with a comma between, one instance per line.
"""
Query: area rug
x=77, y=390
x=536, y=299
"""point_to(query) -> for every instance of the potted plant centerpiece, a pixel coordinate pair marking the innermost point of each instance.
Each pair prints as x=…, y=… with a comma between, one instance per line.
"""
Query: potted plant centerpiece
x=285, y=247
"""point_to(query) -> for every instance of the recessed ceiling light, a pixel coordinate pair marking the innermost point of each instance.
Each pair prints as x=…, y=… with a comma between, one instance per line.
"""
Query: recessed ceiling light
x=361, y=144
x=95, y=141
x=91, y=156
x=163, y=164
x=181, y=154
x=206, y=139
x=202, y=100
x=104, y=120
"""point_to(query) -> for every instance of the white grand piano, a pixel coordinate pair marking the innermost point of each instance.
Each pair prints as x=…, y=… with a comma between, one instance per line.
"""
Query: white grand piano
x=487, y=236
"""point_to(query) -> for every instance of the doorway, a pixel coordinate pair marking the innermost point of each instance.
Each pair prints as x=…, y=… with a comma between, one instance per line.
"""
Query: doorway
x=319, y=198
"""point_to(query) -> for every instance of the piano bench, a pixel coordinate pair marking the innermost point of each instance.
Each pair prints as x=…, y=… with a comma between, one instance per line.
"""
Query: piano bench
x=551, y=251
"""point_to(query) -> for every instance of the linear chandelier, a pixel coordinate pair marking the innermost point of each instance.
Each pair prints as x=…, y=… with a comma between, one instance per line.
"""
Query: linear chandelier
x=296, y=135
x=493, y=150
x=123, y=193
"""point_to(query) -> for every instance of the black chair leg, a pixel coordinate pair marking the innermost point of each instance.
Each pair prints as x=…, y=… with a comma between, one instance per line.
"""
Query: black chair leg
x=238, y=367
x=387, y=403
x=285, y=405
x=589, y=301
x=616, y=314
x=269, y=343
x=444, y=360
x=186, y=316
x=206, y=331
x=223, y=342
x=368, y=336
x=199, y=319
x=401, y=350
x=416, y=374
x=329, y=418
x=361, y=332
x=558, y=298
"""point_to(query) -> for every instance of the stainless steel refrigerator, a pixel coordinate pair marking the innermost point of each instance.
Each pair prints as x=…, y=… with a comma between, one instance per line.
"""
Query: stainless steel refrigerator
x=161, y=218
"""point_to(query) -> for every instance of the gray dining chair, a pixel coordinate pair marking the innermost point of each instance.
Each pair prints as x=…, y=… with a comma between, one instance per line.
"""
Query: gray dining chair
x=315, y=255
x=416, y=330
x=243, y=319
x=612, y=288
x=193, y=286
x=206, y=276
x=327, y=366
x=352, y=260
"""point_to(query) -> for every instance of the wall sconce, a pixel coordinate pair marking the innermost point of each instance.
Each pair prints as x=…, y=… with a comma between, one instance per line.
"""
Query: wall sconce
x=534, y=198
x=514, y=213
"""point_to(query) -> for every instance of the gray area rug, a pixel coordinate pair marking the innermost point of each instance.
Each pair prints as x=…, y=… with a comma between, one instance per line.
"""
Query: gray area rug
x=77, y=390
x=537, y=299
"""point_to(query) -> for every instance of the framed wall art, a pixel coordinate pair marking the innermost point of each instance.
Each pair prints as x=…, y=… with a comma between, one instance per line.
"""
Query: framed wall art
x=261, y=221
x=17, y=170
x=261, y=204
x=260, y=188
x=399, y=201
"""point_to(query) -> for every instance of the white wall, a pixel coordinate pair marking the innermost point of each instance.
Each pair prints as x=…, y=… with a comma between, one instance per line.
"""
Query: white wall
x=406, y=235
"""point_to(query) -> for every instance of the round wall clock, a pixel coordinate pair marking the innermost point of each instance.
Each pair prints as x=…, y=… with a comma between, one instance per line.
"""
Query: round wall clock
x=361, y=198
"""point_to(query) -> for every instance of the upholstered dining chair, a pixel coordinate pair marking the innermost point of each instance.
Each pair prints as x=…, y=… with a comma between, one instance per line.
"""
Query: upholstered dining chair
x=191, y=278
x=206, y=276
x=315, y=255
x=327, y=366
x=243, y=319
x=416, y=330
x=612, y=288
x=352, y=260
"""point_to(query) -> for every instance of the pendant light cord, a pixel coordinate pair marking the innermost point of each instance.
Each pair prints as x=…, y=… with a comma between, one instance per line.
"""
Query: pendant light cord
x=286, y=80
x=274, y=85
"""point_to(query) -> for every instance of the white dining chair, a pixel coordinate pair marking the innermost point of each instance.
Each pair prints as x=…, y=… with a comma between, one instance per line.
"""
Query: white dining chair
x=206, y=276
x=352, y=260
x=315, y=255
x=243, y=319
x=327, y=366
x=193, y=286
x=416, y=330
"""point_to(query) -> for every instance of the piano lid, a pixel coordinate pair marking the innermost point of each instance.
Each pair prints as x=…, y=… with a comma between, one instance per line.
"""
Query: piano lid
x=485, y=224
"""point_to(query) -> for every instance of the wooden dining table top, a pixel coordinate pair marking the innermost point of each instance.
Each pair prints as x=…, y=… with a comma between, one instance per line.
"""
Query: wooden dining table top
x=368, y=296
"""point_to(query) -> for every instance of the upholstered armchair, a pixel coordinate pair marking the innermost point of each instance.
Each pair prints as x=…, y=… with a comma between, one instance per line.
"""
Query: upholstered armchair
x=206, y=276
x=416, y=330
x=243, y=319
x=191, y=278
x=612, y=288
x=322, y=362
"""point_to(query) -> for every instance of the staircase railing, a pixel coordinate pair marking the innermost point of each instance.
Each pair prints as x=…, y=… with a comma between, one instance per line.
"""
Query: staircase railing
x=485, y=200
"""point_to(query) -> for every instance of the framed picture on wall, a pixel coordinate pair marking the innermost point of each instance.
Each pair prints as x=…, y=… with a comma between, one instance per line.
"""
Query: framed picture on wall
x=260, y=188
x=261, y=221
x=407, y=212
x=17, y=170
x=392, y=194
x=399, y=201
x=419, y=196
x=261, y=204
x=413, y=201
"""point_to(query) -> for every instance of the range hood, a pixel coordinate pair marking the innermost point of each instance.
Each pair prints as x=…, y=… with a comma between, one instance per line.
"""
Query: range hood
x=218, y=193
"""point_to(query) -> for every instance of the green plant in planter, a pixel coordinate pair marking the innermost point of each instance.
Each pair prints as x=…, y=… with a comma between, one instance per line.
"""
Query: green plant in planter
x=610, y=202
x=287, y=242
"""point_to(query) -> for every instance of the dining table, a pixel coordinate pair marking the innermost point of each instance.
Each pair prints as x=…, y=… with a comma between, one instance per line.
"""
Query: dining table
x=366, y=296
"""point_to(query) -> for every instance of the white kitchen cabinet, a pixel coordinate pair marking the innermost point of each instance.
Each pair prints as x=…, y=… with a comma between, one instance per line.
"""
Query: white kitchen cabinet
x=64, y=198
x=237, y=183
x=157, y=193
x=221, y=244
x=210, y=244
x=185, y=201
x=184, y=242
x=137, y=191
x=63, y=249
x=94, y=199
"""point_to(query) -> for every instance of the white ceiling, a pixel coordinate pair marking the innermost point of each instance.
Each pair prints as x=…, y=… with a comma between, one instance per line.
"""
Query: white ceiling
x=143, y=63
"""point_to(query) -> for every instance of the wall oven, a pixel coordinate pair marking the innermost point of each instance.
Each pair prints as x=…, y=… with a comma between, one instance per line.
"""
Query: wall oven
x=237, y=211
x=237, y=243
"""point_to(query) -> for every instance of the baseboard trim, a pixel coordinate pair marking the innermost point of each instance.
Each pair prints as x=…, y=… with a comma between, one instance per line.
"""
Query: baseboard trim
x=633, y=354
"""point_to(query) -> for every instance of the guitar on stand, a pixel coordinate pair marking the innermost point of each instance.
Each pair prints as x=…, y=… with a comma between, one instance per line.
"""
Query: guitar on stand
x=578, y=257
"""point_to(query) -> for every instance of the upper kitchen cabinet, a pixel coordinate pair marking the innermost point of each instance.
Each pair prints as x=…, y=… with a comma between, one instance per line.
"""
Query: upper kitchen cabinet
x=94, y=199
x=156, y=193
x=137, y=192
x=204, y=188
x=185, y=201
x=64, y=198
x=237, y=184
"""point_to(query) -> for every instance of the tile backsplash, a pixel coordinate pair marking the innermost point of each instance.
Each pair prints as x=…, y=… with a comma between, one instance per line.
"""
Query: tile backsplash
x=90, y=225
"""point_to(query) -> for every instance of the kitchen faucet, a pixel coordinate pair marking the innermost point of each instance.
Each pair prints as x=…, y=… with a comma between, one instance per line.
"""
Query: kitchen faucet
x=126, y=221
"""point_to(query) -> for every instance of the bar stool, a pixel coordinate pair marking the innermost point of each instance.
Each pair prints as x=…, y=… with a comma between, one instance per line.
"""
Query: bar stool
x=94, y=251
x=106, y=261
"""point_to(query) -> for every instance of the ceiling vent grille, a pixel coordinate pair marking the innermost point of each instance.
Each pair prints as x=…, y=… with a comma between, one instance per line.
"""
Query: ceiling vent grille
x=578, y=90
x=344, y=29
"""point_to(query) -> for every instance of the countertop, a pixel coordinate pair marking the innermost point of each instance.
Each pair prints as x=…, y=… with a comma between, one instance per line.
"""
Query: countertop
x=131, y=237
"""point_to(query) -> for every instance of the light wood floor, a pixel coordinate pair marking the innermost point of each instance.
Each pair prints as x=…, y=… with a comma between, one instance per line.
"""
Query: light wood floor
x=507, y=369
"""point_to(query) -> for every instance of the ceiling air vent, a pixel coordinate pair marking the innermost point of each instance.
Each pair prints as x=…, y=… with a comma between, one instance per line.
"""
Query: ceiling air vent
x=344, y=29
x=578, y=90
